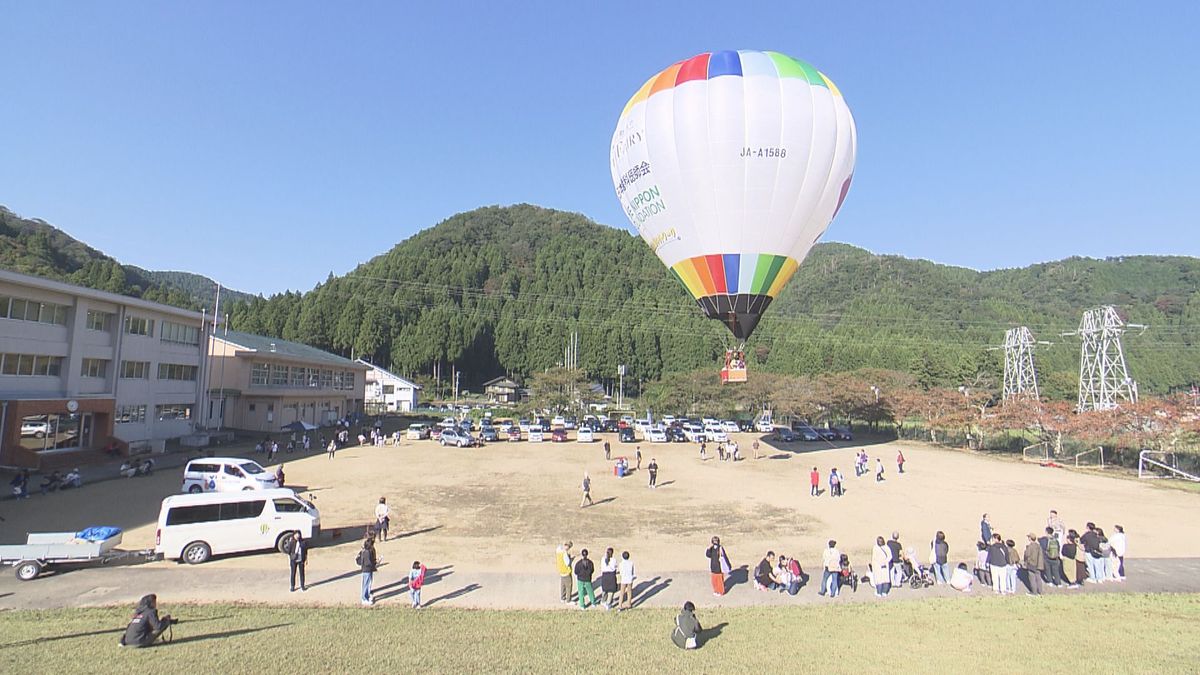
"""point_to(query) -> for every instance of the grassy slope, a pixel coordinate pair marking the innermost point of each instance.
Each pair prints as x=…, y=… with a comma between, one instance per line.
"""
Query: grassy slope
x=1142, y=633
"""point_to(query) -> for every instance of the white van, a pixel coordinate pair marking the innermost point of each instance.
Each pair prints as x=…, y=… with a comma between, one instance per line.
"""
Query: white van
x=715, y=434
x=195, y=527
x=694, y=433
x=226, y=474
x=536, y=435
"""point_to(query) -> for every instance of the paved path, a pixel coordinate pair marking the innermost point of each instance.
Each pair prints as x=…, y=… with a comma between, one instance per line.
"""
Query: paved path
x=447, y=587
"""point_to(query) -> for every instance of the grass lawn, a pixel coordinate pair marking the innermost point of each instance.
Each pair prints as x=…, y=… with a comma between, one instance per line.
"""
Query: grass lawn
x=1083, y=633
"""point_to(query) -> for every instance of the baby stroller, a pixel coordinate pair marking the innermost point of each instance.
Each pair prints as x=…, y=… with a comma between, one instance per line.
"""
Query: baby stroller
x=847, y=577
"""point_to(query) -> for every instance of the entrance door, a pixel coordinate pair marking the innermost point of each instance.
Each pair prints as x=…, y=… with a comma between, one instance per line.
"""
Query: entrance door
x=86, y=424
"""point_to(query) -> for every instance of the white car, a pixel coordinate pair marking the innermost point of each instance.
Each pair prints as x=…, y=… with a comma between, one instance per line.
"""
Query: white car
x=558, y=421
x=226, y=474
x=656, y=435
x=715, y=434
x=642, y=425
x=194, y=527
x=35, y=429
x=694, y=433
x=448, y=423
x=764, y=426
x=585, y=435
x=417, y=432
x=730, y=427
x=536, y=435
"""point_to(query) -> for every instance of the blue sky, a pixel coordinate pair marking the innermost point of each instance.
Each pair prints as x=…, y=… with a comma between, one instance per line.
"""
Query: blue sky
x=266, y=144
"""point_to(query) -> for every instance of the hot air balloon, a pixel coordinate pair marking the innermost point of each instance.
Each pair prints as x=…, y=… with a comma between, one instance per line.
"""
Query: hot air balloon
x=731, y=165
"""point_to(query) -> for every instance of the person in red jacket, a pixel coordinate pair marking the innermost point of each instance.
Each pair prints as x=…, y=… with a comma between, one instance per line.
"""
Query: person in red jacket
x=416, y=580
x=900, y=460
x=814, y=479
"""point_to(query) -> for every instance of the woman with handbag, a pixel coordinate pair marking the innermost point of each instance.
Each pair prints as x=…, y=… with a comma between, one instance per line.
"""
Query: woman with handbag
x=686, y=634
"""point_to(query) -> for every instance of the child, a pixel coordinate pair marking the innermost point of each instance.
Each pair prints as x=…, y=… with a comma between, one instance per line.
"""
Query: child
x=416, y=579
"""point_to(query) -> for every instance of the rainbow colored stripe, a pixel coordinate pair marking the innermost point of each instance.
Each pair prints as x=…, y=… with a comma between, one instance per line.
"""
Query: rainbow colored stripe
x=735, y=274
x=740, y=63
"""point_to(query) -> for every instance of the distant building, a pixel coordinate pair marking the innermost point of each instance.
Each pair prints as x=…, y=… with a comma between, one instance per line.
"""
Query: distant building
x=261, y=383
x=502, y=390
x=387, y=392
x=80, y=368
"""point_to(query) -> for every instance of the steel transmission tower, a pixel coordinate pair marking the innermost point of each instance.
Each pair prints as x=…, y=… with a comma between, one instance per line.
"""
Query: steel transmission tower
x=1103, y=377
x=1020, y=377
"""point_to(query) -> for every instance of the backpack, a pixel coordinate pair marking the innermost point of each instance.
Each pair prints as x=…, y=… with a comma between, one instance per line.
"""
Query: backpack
x=360, y=559
x=1052, y=550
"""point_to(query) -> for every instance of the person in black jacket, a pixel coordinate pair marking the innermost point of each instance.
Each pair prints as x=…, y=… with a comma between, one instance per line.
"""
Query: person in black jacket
x=146, y=626
x=718, y=565
x=297, y=556
x=584, y=569
x=368, y=562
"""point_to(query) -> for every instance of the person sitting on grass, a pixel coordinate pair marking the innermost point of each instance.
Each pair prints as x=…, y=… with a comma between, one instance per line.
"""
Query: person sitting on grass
x=764, y=574
x=686, y=634
x=961, y=579
x=146, y=626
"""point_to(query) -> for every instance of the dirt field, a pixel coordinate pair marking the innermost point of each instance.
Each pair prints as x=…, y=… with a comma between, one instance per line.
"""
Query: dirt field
x=504, y=507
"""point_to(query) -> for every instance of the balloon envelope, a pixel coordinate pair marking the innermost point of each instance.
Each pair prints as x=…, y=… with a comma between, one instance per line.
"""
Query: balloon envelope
x=731, y=165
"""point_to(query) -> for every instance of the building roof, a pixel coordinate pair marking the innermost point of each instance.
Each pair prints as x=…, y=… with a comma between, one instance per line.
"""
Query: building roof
x=501, y=382
x=389, y=373
x=277, y=347
x=93, y=294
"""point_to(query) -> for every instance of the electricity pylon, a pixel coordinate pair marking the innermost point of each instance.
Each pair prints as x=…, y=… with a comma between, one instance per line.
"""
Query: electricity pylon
x=1020, y=376
x=1103, y=377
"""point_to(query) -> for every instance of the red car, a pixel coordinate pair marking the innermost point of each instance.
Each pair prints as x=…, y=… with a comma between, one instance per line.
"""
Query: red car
x=558, y=436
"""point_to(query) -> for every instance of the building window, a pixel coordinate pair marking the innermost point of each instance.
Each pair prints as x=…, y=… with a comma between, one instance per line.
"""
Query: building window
x=251, y=407
x=326, y=379
x=97, y=320
x=299, y=376
x=173, y=411
x=136, y=325
x=94, y=368
x=279, y=376
x=389, y=389
x=135, y=370
x=31, y=364
x=131, y=414
x=21, y=309
x=180, y=333
x=259, y=374
x=177, y=371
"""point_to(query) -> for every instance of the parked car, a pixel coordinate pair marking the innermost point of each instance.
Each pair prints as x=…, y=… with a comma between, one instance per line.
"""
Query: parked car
x=694, y=433
x=809, y=435
x=785, y=435
x=827, y=434
x=843, y=433
x=448, y=422
x=524, y=424
x=194, y=527
x=713, y=433
x=656, y=435
x=536, y=435
x=675, y=434
x=610, y=426
x=35, y=429
x=514, y=433
x=226, y=474
x=764, y=426
x=730, y=427
x=585, y=435
x=558, y=421
x=559, y=435
x=570, y=423
x=457, y=437
x=417, y=432
x=625, y=435
x=435, y=433
x=489, y=434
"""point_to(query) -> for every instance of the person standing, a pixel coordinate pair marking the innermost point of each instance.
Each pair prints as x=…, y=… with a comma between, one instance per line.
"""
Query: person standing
x=835, y=483
x=1091, y=554
x=941, y=558
x=896, y=570
x=754, y=446
x=587, y=491
x=416, y=580
x=279, y=476
x=297, y=557
x=878, y=470
x=1014, y=564
x=881, y=563
x=814, y=480
x=307, y=442
x=584, y=569
x=332, y=448
x=382, y=518
x=985, y=530
x=1119, y=543
x=1073, y=568
x=638, y=456
x=718, y=566
x=607, y=452
x=1052, y=551
x=900, y=461
x=703, y=451
x=1034, y=562
x=368, y=562
x=608, y=579
x=625, y=577
x=652, y=469
x=997, y=558
x=562, y=560
x=831, y=567
x=1056, y=525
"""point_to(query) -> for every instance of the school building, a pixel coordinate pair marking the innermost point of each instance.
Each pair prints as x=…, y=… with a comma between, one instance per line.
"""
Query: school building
x=263, y=384
x=388, y=392
x=81, y=368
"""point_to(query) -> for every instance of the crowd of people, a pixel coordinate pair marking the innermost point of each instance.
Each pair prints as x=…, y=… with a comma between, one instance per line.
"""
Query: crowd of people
x=578, y=575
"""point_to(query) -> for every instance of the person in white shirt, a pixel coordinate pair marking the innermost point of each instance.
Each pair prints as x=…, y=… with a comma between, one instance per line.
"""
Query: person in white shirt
x=382, y=519
x=831, y=567
x=961, y=579
x=881, y=560
x=1117, y=544
x=625, y=578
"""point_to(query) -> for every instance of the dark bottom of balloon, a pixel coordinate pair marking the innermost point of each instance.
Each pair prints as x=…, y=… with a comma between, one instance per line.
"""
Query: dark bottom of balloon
x=740, y=313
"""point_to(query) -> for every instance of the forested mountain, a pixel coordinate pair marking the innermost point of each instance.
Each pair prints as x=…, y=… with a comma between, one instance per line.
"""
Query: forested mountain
x=500, y=289
x=35, y=247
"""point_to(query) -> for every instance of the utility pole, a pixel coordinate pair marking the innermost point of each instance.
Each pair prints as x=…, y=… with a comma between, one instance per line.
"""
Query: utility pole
x=621, y=390
x=1103, y=377
x=457, y=372
x=1020, y=376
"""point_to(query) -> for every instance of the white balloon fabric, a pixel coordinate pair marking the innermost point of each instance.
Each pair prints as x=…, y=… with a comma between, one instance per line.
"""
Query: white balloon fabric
x=731, y=165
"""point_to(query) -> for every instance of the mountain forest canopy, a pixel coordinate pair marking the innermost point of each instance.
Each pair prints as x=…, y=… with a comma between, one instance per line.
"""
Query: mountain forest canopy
x=500, y=290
